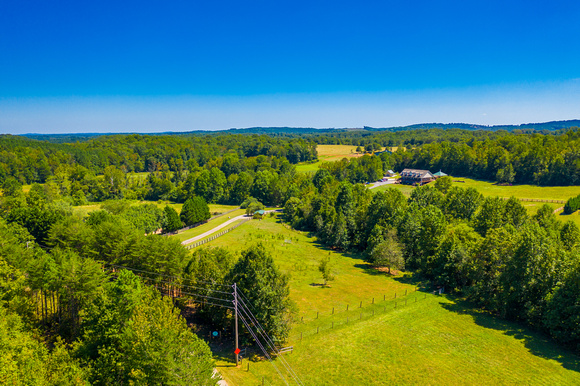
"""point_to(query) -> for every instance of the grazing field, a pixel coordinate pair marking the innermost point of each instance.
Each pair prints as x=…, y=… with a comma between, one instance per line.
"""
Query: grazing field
x=520, y=191
x=435, y=340
x=491, y=189
x=328, y=153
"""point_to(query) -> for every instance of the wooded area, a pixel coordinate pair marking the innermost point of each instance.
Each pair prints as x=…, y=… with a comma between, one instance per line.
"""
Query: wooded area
x=70, y=314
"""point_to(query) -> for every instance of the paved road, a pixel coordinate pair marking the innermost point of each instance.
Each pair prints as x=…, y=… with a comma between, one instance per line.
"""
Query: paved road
x=211, y=231
x=381, y=183
x=205, y=234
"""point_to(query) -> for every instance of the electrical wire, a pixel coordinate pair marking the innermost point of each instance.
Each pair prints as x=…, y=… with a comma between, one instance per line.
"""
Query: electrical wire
x=269, y=342
x=161, y=274
x=272, y=345
x=263, y=350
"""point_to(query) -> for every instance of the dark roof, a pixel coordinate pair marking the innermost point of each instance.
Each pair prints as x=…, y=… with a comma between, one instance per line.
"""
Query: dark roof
x=416, y=173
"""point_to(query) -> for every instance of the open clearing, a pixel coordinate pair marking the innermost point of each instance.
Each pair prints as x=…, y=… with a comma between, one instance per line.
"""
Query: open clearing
x=328, y=153
x=435, y=340
x=522, y=192
x=519, y=191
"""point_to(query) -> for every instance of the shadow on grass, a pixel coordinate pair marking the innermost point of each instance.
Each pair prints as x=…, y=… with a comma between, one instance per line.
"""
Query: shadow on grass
x=537, y=343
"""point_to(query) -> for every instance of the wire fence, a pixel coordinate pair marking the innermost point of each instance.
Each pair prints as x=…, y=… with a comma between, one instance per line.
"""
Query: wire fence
x=361, y=310
x=215, y=236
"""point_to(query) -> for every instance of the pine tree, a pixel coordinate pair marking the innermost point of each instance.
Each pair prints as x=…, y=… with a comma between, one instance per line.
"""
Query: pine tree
x=172, y=220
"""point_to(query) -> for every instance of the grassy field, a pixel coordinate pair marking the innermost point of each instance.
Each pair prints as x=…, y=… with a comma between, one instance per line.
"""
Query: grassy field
x=519, y=191
x=328, y=153
x=213, y=208
x=434, y=340
x=208, y=225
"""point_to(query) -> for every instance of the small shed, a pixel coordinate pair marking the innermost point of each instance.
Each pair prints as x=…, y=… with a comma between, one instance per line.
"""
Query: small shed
x=390, y=173
x=259, y=213
x=439, y=174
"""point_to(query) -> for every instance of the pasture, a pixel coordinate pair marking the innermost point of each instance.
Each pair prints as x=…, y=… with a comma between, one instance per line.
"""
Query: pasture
x=522, y=192
x=329, y=153
x=433, y=340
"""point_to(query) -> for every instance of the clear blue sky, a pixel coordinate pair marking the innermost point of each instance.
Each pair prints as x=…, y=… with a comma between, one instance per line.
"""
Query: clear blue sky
x=76, y=66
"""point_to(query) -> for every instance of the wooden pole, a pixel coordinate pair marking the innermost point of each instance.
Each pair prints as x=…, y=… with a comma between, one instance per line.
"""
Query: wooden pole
x=236, y=318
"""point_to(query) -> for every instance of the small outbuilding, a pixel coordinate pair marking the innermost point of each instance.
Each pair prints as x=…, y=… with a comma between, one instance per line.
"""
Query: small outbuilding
x=390, y=173
x=259, y=213
x=439, y=174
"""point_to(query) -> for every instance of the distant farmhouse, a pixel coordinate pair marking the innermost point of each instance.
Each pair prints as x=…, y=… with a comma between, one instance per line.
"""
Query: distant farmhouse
x=416, y=176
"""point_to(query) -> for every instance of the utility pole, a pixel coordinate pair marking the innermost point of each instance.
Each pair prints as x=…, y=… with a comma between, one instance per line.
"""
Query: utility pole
x=236, y=317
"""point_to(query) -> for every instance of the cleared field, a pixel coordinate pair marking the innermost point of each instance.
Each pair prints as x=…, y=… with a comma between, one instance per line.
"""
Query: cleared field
x=491, y=189
x=328, y=153
x=433, y=341
x=520, y=191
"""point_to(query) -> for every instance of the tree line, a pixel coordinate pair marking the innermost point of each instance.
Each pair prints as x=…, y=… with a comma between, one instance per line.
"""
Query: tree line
x=110, y=326
x=31, y=161
x=489, y=249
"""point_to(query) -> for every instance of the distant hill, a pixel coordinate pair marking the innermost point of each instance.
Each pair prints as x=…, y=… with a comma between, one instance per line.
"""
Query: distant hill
x=551, y=126
x=293, y=131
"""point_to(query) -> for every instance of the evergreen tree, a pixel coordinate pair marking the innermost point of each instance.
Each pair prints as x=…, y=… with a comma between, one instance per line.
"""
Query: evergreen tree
x=172, y=220
x=266, y=288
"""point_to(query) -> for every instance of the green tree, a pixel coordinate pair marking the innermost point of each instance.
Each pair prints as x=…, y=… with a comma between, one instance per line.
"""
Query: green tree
x=133, y=336
x=562, y=318
x=461, y=203
x=388, y=253
x=194, y=210
x=325, y=270
x=253, y=207
x=570, y=235
x=443, y=184
x=266, y=288
x=11, y=187
x=172, y=222
x=490, y=215
x=241, y=189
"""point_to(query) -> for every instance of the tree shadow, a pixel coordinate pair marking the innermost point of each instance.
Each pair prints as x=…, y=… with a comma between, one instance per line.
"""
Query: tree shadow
x=536, y=342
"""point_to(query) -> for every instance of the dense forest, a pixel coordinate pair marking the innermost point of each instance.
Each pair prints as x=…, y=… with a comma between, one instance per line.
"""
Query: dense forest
x=81, y=302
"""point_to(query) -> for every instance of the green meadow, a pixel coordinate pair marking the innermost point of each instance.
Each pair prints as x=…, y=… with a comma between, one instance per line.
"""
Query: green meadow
x=432, y=339
x=328, y=153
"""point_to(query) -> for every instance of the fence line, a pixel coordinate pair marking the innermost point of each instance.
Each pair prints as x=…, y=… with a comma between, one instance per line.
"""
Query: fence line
x=215, y=236
x=356, y=316
x=537, y=200
x=199, y=223
x=359, y=303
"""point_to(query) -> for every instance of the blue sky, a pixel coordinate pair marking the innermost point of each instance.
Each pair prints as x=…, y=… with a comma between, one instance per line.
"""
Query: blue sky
x=73, y=66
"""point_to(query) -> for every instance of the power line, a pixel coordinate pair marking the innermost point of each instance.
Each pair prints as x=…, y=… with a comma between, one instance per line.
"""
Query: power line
x=161, y=274
x=263, y=350
x=270, y=342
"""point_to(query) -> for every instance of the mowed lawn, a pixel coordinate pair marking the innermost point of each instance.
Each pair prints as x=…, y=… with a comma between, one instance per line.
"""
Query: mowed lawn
x=434, y=340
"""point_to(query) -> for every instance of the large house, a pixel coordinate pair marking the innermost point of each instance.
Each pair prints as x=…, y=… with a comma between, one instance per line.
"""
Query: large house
x=415, y=176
